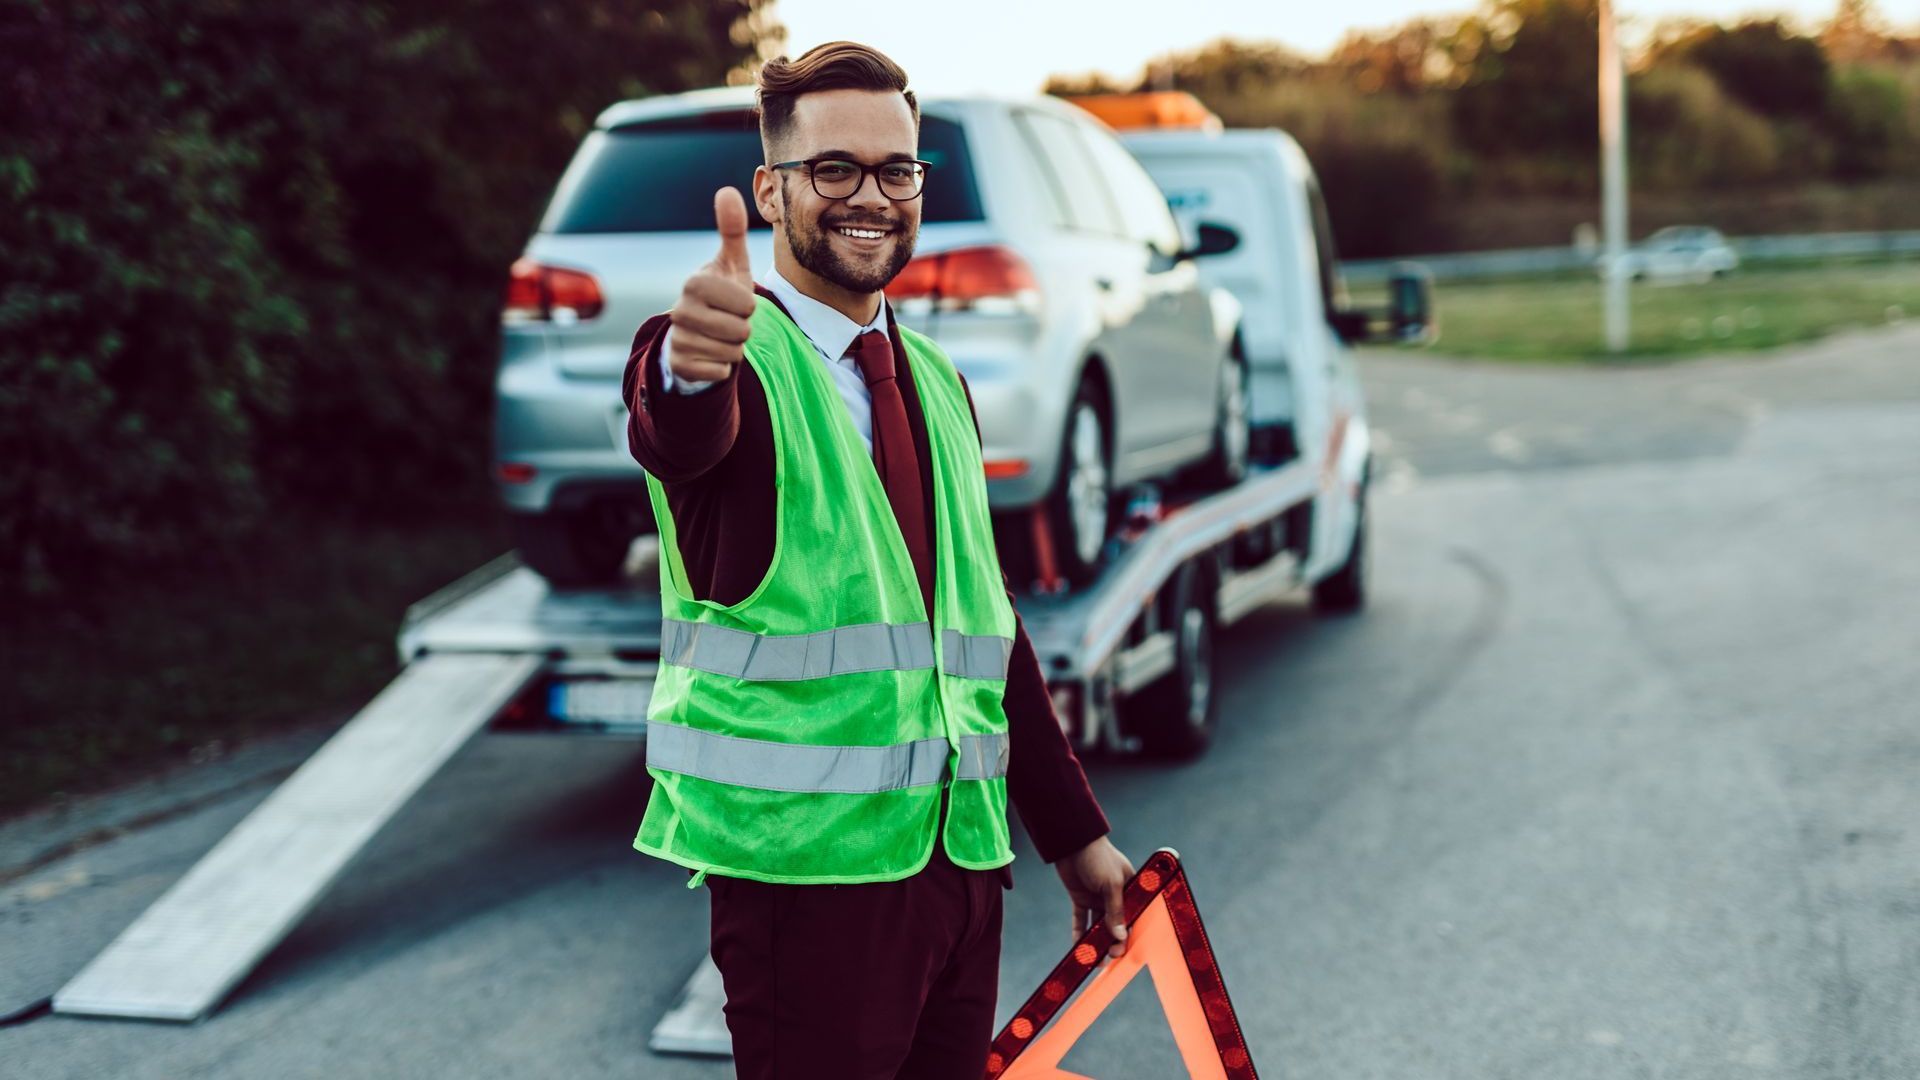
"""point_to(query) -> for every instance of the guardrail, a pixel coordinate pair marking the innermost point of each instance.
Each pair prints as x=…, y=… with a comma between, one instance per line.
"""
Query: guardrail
x=1518, y=262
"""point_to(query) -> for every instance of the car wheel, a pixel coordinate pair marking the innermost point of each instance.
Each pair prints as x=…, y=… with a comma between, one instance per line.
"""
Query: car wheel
x=1175, y=716
x=1080, y=506
x=1345, y=590
x=1232, y=431
x=572, y=550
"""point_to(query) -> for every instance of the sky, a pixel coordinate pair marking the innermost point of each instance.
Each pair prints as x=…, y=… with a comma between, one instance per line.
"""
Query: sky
x=1011, y=46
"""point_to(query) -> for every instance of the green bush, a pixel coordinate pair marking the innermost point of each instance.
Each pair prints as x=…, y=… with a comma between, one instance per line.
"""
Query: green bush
x=255, y=251
x=1868, y=110
x=1684, y=132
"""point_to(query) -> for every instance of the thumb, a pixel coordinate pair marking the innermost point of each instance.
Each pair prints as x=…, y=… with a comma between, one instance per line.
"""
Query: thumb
x=730, y=218
x=1117, y=917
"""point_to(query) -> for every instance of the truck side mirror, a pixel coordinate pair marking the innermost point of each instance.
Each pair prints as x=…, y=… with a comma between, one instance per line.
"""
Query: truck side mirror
x=1410, y=303
x=1408, y=318
x=1213, y=240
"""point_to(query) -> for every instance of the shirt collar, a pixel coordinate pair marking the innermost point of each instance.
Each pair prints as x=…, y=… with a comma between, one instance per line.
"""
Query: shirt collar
x=831, y=332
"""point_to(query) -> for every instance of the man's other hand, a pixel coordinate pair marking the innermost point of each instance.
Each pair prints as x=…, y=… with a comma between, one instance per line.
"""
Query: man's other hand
x=1096, y=878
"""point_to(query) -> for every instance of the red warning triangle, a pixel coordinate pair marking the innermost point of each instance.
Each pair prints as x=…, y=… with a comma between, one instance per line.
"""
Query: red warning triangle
x=1164, y=936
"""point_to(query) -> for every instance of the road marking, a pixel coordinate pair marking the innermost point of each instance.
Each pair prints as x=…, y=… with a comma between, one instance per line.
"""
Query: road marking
x=696, y=1024
x=1509, y=447
x=1398, y=474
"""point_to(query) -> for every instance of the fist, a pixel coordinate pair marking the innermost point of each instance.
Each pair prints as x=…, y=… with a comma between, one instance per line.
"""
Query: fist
x=710, y=321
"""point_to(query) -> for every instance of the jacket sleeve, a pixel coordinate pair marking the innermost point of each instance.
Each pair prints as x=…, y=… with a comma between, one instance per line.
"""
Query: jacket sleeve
x=676, y=437
x=1045, y=780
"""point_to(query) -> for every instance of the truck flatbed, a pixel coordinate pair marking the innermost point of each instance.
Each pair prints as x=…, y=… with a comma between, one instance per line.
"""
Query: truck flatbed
x=476, y=647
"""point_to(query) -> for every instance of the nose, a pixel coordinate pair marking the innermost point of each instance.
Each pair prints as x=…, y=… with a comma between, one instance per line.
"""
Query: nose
x=868, y=194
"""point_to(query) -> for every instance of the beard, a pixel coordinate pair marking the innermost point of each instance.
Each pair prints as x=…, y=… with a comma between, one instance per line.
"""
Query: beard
x=812, y=245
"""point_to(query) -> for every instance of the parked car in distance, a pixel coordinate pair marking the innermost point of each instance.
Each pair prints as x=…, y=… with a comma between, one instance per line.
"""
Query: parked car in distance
x=1048, y=266
x=1680, y=253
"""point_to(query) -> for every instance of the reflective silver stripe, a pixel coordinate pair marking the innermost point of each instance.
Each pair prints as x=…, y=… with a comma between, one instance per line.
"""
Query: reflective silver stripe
x=723, y=650
x=974, y=656
x=774, y=766
x=983, y=757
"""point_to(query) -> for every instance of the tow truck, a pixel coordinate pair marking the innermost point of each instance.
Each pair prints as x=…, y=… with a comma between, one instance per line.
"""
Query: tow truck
x=1128, y=659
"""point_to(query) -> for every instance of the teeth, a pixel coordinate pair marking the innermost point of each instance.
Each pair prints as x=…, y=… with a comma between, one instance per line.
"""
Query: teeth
x=864, y=234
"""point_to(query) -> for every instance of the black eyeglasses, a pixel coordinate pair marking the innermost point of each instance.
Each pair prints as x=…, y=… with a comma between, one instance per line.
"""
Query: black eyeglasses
x=838, y=178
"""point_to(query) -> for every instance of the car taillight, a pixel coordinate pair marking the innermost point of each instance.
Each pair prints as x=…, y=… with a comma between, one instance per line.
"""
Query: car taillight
x=983, y=279
x=540, y=293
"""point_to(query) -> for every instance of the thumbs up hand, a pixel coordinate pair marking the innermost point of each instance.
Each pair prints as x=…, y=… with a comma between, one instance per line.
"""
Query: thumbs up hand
x=710, y=321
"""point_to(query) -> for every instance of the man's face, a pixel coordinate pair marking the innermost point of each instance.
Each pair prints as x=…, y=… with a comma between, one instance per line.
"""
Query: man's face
x=854, y=125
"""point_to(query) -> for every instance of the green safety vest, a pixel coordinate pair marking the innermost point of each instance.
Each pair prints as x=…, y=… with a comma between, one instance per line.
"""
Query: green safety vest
x=806, y=733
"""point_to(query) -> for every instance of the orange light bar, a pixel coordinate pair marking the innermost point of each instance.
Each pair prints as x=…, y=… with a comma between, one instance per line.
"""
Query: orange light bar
x=1151, y=109
x=1006, y=470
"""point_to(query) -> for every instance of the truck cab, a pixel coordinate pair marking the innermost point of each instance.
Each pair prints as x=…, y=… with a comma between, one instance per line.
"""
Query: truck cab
x=1297, y=327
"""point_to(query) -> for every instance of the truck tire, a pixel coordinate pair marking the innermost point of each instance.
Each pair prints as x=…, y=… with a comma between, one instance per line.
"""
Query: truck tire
x=1232, y=430
x=1174, y=717
x=570, y=549
x=1345, y=590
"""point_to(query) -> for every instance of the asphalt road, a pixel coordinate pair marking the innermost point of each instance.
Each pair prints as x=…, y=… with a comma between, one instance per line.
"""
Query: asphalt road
x=1618, y=777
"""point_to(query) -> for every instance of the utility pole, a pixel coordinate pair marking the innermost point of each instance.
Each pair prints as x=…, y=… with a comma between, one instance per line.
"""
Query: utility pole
x=1613, y=179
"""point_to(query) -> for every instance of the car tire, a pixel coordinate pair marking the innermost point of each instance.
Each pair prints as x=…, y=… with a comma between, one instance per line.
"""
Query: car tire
x=572, y=550
x=1079, y=508
x=1175, y=717
x=1232, y=427
x=1344, y=591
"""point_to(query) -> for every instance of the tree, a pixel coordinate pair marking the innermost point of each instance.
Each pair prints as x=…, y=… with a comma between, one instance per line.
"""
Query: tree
x=1684, y=133
x=1867, y=117
x=1407, y=59
x=1530, y=81
x=1762, y=64
x=254, y=251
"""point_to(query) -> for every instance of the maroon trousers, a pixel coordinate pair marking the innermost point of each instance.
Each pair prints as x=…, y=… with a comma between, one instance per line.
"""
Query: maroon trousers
x=893, y=980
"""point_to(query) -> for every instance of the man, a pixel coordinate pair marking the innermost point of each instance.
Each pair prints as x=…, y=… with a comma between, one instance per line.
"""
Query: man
x=846, y=700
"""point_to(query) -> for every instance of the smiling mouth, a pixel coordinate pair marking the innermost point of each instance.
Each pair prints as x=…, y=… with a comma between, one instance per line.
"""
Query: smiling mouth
x=861, y=234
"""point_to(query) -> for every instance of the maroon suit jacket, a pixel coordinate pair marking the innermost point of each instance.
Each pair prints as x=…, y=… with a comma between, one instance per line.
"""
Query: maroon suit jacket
x=713, y=453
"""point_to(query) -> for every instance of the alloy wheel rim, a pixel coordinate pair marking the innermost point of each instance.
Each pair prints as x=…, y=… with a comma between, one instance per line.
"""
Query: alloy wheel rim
x=1234, y=406
x=1087, y=496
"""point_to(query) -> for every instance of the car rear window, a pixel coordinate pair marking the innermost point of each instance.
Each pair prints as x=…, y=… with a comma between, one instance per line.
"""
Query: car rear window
x=660, y=175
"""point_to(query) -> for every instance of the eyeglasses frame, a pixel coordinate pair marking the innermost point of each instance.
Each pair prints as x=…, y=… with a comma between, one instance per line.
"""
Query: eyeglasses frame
x=866, y=170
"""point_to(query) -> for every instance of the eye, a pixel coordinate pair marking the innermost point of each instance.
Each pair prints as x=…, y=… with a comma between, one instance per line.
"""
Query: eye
x=899, y=173
x=833, y=170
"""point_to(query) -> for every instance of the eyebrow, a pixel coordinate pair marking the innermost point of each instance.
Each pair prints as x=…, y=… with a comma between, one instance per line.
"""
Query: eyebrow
x=849, y=155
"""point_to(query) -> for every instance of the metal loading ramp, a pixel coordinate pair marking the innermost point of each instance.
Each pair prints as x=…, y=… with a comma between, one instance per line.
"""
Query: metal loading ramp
x=184, y=953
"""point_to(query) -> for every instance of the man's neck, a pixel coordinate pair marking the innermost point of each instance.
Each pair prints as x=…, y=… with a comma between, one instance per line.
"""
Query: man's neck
x=857, y=306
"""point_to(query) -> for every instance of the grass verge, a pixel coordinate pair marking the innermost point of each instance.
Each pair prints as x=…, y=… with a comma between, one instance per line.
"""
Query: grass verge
x=1557, y=319
x=107, y=688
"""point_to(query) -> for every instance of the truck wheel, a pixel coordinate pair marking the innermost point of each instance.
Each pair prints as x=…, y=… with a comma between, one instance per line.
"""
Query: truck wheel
x=1080, y=506
x=1345, y=590
x=1174, y=717
x=1232, y=432
x=571, y=550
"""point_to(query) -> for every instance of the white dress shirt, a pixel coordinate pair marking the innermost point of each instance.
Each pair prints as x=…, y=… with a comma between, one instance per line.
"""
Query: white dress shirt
x=832, y=335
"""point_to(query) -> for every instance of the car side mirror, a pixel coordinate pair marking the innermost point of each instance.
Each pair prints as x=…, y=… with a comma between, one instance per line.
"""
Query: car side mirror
x=1212, y=240
x=1408, y=318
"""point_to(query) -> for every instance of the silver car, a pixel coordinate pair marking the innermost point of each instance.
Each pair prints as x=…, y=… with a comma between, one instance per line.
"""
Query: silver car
x=1048, y=265
x=1681, y=253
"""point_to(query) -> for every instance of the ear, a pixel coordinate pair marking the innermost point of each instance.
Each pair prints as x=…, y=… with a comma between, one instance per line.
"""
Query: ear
x=766, y=193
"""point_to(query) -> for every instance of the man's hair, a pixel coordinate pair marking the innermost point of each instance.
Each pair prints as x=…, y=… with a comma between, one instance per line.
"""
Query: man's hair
x=837, y=65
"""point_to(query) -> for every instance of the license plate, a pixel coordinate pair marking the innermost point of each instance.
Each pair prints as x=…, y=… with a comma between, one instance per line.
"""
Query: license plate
x=604, y=703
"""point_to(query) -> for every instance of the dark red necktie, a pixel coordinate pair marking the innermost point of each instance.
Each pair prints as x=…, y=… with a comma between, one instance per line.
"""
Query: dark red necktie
x=894, y=454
